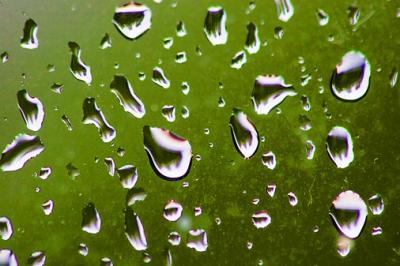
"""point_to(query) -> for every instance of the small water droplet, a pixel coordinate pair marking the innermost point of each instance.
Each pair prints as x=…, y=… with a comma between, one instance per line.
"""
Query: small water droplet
x=172, y=211
x=261, y=219
x=106, y=262
x=221, y=102
x=306, y=103
x=6, y=228
x=73, y=172
x=78, y=68
x=181, y=29
x=238, y=60
x=252, y=44
x=57, y=88
x=322, y=17
x=279, y=32
x=110, y=164
x=83, y=249
x=353, y=14
x=292, y=199
x=174, y=238
x=376, y=204
x=197, y=211
x=376, y=230
x=4, y=57
x=128, y=176
x=48, y=207
x=305, y=123
x=269, y=160
x=135, y=195
x=180, y=57
x=168, y=112
x=339, y=145
x=134, y=230
x=185, y=87
x=168, y=42
x=29, y=39
x=197, y=240
x=91, y=221
x=310, y=149
x=285, y=9
x=37, y=258
x=31, y=109
x=160, y=79
x=215, y=25
x=271, y=188
x=66, y=122
x=344, y=246
x=185, y=112
x=393, y=77
x=105, y=42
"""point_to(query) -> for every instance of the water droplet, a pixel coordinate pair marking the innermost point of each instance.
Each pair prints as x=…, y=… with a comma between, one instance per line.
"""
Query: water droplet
x=78, y=68
x=344, y=246
x=91, y=221
x=173, y=211
x=169, y=154
x=271, y=188
x=249, y=245
x=105, y=42
x=51, y=68
x=185, y=87
x=93, y=115
x=339, y=145
x=377, y=230
x=180, y=57
x=292, y=199
x=128, y=176
x=197, y=211
x=134, y=230
x=57, y=88
x=376, y=204
x=168, y=258
x=37, y=258
x=72, y=171
x=160, y=79
x=174, y=238
x=128, y=99
x=48, y=207
x=305, y=123
x=197, y=240
x=44, y=172
x=66, y=122
x=353, y=14
x=221, y=102
x=261, y=219
x=146, y=257
x=4, y=57
x=83, y=249
x=23, y=148
x=32, y=110
x=252, y=44
x=185, y=112
x=132, y=19
x=268, y=92
x=279, y=32
x=168, y=112
x=120, y=151
x=134, y=195
x=168, y=42
x=181, y=29
x=306, y=103
x=6, y=228
x=29, y=39
x=349, y=213
x=215, y=25
x=110, y=164
x=238, y=60
x=322, y=17
x=393, y=77
x=106, y=262
x=268, y=159
x=285, y=9
x=350, y=79
x=8, y=258
x=310, y=149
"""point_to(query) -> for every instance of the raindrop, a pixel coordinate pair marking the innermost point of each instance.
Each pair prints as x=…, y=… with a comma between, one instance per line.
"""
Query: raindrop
x=197, y=211
x=339, y=145
x=66, y=122
x=29, y=39
x=78, y=68
x=185, y=112
x=238, y=60
x=4, y=57
x=305, y=123
x=128, y=99
x=393, y=77
x=173, y=211
x=51, y=68
x=244, y=133
x=44, y=172
x=132, y=19
x=8, y=258
x=215, y=26
x=135, y=195
x=349, y=213
x=180, y=57
x=278, y=32
x=285, y=9
x=110, y=164
x=185, y=87
x=168, y=42
x=48, y=207
x=37, y=258
x=23, y=148
x=306, y=103
x=252, y=44
x=350, y=79
x=292, y=199
x=344, y=246
x=174, y=238
x=376, y=204
x=197, y=240
x=377, y=230
x=32, y=110
x=221, y=102
x=128, y=176
x=322, y=17
x=72, y=171
x=93, y=115
x=106, y=262
x=353, y=14
x=310, y=149
x=105, y=42
x=268, y=92
x=83, y=249
x=159, y=78
x=168, y=112
x=169, y=154
x=91, y=221
x=6, y=228
x=146, y=258
x=134, y=230
x=268, y=159
x=271, y=188
x=180, y=29
x=261, y=219
x=120, y=151
x=57, y=88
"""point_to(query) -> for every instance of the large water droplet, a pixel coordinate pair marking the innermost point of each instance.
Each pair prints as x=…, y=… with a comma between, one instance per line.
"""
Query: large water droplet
x=160, y=79
x=340, y=147
x=128, y=99
x=30, y=40
x=6, y=228
x=244, y=133
x=78, y=68
x=93, y=115
x=215, y=26
x=22, y=149
x=91, y=221
x=285, y=9
x=261, y=219
x=134, y=230
x=350, y=79
x=8, y=258
x=268, y=92
x=252, y=44
x=172, y=211
x=197, y=240
x=169, y=154
x=32, y=110
x=132, y=19
x=349, y=213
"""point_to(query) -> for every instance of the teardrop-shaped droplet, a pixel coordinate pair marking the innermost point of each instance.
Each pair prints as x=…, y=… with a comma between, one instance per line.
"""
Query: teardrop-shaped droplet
x=322, y=17
x=32, y=110
x=349, y=213
x=91, y=221
x=134, y=230
x=128, y=176
x=78, y=68
x=197, y=240
x=48, y=207
x=271, y=188
x=350, y=79
x=6, y=228
x=268, y=92
x=30, y=40
x=22, y=149
x=215, y=26
x=132, y=19
x=105, y=42
x=244, y=134
x=172, y=211
x=310, y=149
x=93, y=115
x=8, y=258
x=169, y=154
x=238, y=60
x=261, y=219
x=110, y=164
x=160, y=79
x=269, y=160
x=344, y=245
x=292, y=199
x=376, y=204
x=339, y=145
x=168, y=112
x=37, y=258
x=128, y=99
x=285, y=9
x=252, y=44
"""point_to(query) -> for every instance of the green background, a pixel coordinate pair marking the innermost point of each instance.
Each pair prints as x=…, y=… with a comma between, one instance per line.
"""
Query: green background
x=222, y=182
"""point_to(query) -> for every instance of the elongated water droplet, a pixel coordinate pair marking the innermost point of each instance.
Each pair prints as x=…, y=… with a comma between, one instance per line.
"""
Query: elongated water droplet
x=91, y=221
x=344, y=246
x=23, y=148
x=110, y=164
x=349, y=213
x=37, y=258
x=128, y=176
x=93, y=115
x=215, y=26
x=8, y=258
x=172, y=211
x=350, y=79
x=353, y=13
x=261, y=219
x=132, y=19
x=393, y=77
x=57, y=88
x=134, y=230
x=292, y=199
x=244, y=134
x=285, y=9
x=66, y=122
x=185, y=112
x=197, y=240
x=169, y=154
x=376, y=204
x=6, y=228
x=4, y=57
x=78, y=68
x=269, y=160
x=48, y=207
x=238, y=60
x=105, y=42
x=168, y=112
x=134, y=195
x=268, y=92
x=339, y=145
x=181, y=29
x=271, y=188
x=32, y=110
x=310, y=149
x=252, y=44
x=160, y=79
x=128, y=99
x=29, y=39
x=322, y=17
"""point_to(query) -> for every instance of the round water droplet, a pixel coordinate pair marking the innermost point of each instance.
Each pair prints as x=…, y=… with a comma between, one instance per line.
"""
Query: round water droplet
x=6, y=228
x=339, y=145
x=261, y=219
x=376, y=204
x=174, y=238
x=173, y=211
x=215, y=26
